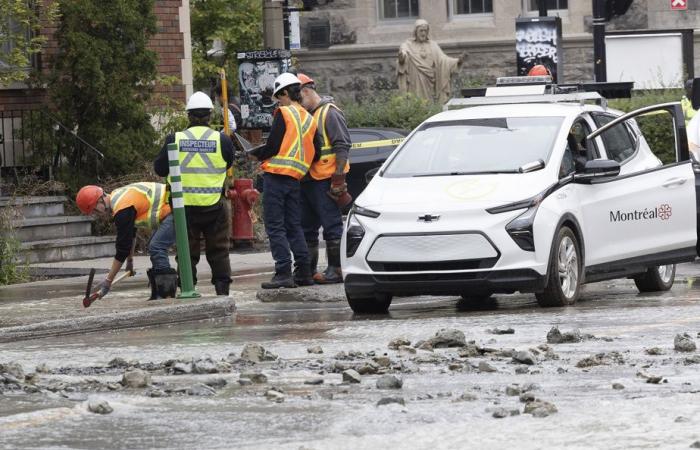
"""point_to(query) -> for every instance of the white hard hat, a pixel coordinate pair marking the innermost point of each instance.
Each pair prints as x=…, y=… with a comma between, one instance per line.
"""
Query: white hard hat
x=199, y=100
x=284, y=80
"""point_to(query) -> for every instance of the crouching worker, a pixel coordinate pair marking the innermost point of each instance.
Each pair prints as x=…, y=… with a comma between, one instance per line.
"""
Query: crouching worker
x=137, y=205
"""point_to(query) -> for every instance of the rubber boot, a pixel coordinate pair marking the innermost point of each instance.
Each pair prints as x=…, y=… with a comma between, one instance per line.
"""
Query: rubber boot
x=280, y=280
x=332, y=274
x=221, y=287
x=152, y=283
x=313, y=257
x=166, y=283
x=302, y=275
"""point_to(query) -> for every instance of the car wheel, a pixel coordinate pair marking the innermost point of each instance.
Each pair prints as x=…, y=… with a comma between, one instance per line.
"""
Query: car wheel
x=564, y=272
x=379, y=304
x=655, y=279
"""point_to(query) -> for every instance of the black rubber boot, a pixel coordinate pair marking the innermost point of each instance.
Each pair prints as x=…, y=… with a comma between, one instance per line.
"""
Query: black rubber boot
x=303, y=275
x=166, y=283
x=280, y=280
x=313, y=257
x=152, y=283
x=221, y=287
x=332, y=274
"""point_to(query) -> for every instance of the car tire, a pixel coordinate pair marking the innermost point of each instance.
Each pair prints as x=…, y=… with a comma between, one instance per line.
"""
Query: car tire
x=379, y=304
x=564, y=272
x=656, y=279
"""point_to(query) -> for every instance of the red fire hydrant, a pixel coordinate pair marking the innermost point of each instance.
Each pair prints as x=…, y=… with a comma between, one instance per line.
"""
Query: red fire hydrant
x=243, y=196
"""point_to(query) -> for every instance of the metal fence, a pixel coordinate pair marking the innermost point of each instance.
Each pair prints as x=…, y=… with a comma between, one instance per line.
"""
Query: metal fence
x=36, y=143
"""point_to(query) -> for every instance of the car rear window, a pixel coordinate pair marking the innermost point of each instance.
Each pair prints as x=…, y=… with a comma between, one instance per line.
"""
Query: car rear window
x=494, y=145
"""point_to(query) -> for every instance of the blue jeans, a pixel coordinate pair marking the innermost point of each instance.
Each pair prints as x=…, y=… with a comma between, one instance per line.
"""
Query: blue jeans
x=319, y=210
x=282, y=214
x=161, y=241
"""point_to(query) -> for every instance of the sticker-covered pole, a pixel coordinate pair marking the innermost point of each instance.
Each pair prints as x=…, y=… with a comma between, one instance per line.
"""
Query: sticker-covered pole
x=183, y=247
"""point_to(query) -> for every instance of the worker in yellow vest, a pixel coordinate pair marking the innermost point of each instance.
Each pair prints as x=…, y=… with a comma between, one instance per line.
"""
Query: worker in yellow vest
x=204, y=155
x=137, y=205
x=286, y=157
x=323, y=190
x=686, y=104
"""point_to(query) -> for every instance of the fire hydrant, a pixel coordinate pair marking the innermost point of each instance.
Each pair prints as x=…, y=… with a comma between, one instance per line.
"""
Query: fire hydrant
x=243, y=196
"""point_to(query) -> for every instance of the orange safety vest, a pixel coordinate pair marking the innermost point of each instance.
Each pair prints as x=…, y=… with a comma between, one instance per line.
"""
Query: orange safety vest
x=149, y=199
x=297, y=150
x=324, y=168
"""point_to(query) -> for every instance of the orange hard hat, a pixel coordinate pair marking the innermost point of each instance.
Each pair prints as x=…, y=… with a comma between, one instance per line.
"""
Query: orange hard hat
x=87, y=198
x=537, y=70
x=305, y=79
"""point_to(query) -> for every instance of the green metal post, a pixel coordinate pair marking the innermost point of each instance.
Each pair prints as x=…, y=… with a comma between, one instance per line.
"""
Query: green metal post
x=184, y=263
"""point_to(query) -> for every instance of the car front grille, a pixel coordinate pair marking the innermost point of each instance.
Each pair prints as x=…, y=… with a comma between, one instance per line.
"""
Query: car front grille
x=467, y=264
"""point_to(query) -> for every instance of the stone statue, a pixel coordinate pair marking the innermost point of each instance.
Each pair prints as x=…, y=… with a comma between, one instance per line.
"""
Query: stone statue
x=424, y=69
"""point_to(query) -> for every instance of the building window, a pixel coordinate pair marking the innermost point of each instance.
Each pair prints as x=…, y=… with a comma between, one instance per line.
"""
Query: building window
x=398, y=9
x=551, y=4
x=472, y=7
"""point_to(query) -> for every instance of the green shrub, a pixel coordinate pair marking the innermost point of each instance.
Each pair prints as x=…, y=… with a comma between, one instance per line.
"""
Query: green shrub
x=391, y=110
x=656, y=128
x=11, y=269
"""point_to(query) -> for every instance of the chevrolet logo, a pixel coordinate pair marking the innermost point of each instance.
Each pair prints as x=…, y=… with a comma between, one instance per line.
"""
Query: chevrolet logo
x=428, y=218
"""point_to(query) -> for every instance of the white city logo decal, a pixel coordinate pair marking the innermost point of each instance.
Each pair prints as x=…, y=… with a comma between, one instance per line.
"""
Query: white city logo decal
x=663, y=212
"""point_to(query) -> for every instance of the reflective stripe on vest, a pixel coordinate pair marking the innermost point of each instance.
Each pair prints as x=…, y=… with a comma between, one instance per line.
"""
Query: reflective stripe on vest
x=324, y=168
x=150, y=202
x=296, y=152
x=202, y=165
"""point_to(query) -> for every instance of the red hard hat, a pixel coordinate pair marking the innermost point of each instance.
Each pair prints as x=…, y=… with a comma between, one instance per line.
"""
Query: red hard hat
x=87, y=198
x=305, y=79
x=537, y=70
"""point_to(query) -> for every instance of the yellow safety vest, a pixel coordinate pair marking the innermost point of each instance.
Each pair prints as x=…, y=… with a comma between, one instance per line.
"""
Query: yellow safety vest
x=202, y=165
x=688, y=110
x=149, y=200
x=324, y=168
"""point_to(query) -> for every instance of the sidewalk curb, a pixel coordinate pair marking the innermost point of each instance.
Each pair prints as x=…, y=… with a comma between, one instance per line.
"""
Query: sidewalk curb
x=185, y=312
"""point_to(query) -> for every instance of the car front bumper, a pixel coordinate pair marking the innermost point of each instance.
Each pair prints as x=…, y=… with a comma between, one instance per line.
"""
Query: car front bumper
x=454, y=283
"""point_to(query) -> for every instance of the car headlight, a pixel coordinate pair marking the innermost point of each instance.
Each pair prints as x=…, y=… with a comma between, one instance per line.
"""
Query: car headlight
x=520, y=229
x=353, y=236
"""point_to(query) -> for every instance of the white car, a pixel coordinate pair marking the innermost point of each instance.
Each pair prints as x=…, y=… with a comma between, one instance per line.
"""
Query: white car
x=523, y=193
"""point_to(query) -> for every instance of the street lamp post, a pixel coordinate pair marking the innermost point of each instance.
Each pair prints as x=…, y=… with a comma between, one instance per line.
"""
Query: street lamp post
x=599, y=67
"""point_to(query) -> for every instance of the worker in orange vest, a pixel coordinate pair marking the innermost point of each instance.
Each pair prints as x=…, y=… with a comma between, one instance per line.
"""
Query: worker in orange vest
x=137, y=205
x=323, y=190
x=286, y=157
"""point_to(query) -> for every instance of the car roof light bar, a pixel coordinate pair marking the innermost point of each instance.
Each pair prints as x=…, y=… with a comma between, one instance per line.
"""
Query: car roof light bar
x=575, y=97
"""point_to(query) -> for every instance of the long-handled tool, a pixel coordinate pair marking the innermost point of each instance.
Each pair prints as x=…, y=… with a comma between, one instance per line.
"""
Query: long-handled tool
x=90, y=297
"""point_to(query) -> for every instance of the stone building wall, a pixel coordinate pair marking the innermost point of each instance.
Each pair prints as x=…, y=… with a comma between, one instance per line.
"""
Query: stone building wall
x=363, y=52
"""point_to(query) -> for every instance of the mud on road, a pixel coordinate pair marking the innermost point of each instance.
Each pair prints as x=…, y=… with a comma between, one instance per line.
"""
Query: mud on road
x=617, y=370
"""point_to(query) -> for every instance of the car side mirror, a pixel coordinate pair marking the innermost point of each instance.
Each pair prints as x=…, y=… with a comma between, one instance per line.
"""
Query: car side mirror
x=597, y=168
x=370, y=174
x=695, y=95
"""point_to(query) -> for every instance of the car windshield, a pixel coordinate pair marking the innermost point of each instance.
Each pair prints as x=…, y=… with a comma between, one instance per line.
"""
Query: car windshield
x=477, y=146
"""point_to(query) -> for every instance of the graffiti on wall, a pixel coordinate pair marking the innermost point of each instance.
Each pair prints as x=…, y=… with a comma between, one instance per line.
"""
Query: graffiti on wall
x=257, y=71
x=537, y=41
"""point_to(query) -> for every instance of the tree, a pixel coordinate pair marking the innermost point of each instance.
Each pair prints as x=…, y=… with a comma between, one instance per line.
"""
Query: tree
x=103, y=77
x=238, y=24
x=20, y=22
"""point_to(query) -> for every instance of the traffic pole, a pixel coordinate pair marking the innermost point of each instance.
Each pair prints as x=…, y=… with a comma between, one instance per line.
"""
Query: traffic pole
x=599, y=57
x=184, y=264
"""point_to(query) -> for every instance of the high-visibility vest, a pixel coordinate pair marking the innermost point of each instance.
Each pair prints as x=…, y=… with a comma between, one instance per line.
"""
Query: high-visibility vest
x=325, y=166
x=297, y=150
x=688, y=110
x=149, y=199
x=202, y=165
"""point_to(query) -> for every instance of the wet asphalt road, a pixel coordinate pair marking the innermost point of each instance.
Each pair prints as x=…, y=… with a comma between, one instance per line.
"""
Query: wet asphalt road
x=337, y=415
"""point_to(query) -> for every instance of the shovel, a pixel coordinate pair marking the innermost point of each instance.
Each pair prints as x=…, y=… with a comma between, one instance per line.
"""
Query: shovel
x=91, y=297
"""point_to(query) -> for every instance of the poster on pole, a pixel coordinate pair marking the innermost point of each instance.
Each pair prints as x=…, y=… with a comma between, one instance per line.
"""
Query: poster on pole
x=294, y=32
x=538, y=41
x=257, y=71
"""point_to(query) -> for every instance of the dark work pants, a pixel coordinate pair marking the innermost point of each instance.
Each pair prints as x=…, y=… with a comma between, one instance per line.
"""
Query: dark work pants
x=213, y=223
x=282, y=214
x=319, y=210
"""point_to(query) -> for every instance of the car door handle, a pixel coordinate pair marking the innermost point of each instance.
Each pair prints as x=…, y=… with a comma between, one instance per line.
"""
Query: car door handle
x=674, y=182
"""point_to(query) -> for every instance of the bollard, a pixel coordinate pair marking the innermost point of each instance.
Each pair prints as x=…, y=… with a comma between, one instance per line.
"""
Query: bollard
x=183, y=247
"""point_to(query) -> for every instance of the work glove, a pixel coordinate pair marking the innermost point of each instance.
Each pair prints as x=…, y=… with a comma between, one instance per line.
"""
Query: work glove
x=104, y=287
x=130, y=266
x=339, y=190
